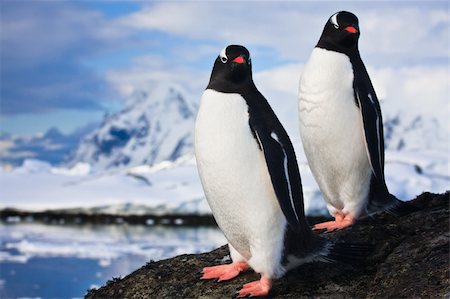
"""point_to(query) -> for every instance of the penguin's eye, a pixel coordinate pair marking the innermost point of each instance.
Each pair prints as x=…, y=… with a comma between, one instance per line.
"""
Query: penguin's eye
x=334, y=21
x=223, y=55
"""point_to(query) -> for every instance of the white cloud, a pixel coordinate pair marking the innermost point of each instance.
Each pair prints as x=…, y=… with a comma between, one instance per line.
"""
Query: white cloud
x=262, y=24
x=42, y=32
x=421, y=90
x=402, y=30
x=279, y=86
x=43, y=46
x=403, y=35
x=6, y=151
x=410, y=34
x=181, y=39
x=147, y=70
x=284, y=78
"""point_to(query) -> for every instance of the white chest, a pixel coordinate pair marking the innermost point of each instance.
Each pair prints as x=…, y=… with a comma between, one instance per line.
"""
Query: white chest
x=330, y=122
x=331, y=128
x=326, y=98
x=233, y=171
x=225, y=149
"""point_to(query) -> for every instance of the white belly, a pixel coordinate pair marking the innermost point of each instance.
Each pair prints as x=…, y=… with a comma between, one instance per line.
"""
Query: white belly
x=235, y=178
x=332, y=131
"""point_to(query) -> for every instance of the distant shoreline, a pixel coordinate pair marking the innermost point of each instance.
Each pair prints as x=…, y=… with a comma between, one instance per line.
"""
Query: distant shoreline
x=58, y=217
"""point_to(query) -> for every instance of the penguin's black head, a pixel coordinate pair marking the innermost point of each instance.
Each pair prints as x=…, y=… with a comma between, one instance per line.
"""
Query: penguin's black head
x=341, y=33
x=232, y=69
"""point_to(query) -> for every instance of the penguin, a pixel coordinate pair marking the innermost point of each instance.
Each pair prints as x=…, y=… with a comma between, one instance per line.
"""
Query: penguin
x=341, y=127
x=249, y=173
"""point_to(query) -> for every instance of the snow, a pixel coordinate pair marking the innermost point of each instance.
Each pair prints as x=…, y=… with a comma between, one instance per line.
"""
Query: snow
x=169, y=190
x=174, y=187
x=77, y=170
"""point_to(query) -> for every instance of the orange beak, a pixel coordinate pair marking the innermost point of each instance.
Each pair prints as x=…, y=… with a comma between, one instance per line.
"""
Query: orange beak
x=239, y=60
x=351, y=29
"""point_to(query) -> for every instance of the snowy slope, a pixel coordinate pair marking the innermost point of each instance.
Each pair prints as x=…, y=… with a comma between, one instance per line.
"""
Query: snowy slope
x=165, y=188
x=156, y=124
x=174, y=187
x=166, y=191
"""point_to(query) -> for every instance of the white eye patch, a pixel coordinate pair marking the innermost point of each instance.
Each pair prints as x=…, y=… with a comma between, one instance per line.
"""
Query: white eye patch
x=334, y=21
x=223, y=55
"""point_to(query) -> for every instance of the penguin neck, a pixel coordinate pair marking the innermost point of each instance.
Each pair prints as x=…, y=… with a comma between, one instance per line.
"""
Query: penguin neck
x=226, y=86
x=352, y=53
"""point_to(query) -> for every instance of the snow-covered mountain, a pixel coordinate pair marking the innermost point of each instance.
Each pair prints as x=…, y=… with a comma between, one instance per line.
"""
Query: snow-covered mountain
x=418, y=132
x=156, y=124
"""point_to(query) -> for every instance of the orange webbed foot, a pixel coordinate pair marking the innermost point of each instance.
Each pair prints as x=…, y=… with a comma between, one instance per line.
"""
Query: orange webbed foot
x=224, y=272
x=340, y=222
x=259, y=288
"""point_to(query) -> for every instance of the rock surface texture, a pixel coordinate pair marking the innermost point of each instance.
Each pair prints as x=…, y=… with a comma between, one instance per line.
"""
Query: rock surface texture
x=410, y=259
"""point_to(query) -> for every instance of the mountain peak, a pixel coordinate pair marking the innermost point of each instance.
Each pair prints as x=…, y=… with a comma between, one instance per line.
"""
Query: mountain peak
x=53, y=133
x=156, y=124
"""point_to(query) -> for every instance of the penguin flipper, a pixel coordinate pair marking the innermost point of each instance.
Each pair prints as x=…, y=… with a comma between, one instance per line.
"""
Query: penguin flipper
x=379, y=197
x=373, y=128
x=284, y=174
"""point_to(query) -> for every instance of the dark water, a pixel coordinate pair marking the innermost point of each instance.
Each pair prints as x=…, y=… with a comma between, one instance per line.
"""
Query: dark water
x=59, y=261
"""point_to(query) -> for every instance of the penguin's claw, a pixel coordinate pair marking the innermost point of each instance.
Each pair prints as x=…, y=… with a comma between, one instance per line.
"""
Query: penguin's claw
x=259, y=288
x=224, y=272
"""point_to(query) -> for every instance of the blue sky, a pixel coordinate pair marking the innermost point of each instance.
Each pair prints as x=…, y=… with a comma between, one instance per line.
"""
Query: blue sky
x=66, y=63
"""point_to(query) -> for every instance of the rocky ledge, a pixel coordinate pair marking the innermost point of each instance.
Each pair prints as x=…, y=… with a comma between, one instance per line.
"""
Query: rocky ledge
x=410, y=260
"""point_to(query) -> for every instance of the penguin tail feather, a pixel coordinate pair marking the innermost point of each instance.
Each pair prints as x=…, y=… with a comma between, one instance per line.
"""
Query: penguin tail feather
x=354, y=254
x=393, y=206
x=401, y=208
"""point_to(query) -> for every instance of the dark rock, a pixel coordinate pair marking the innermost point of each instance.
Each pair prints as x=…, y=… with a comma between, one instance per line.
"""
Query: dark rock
x=410, y=260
